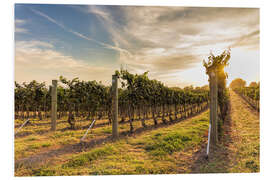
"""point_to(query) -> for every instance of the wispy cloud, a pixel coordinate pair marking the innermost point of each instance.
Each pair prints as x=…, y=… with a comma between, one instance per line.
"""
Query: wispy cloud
x=175, y=38
x=19, y=21
x=18, y=26
x=250, y=40
x=33, y=44
x=77, y=33
x=20, y=30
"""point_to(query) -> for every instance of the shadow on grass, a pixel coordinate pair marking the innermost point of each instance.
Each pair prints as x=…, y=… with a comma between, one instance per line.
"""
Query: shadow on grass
x=42, y=132
x=218, y=160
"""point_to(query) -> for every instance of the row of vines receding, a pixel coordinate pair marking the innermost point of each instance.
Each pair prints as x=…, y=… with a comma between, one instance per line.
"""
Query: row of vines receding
x=140, y=98
x=250, y=94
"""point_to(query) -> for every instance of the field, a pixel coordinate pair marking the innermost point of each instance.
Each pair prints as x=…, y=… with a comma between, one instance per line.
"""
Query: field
x=177, y=147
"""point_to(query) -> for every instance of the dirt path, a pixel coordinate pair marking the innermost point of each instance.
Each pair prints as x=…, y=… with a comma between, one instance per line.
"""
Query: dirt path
x=239, y=149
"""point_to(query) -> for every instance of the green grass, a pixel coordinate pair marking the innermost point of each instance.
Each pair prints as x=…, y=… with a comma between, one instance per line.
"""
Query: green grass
x=107, y=130
x=46, y=144
x=85, y=158
x=168, y=144
x=43, y=172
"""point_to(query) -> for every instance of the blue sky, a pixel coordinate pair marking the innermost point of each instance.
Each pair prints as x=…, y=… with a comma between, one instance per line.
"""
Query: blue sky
x=41, y=29
x=91, y=42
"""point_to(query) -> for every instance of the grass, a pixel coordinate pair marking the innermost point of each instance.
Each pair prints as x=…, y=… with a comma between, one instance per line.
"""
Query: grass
x=37, y=133
x=177, y=140
x=168, y=144
x=152, y=152
x=85, y=158
x=43, y=172
x=239, y=149
x=46, y=144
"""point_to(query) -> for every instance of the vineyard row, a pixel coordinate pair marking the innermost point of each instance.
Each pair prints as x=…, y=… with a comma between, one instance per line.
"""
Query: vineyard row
x=250, y=95
x=139, y=97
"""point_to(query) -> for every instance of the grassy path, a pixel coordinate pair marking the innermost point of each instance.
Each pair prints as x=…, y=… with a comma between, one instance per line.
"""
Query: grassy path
x=239, y=149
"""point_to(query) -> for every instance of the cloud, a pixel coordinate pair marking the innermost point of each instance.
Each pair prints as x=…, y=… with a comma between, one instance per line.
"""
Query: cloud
x=174, y=62
x=20, y=21
x=250, y=40
x=36, y=60
x=30, y=45
x=99, y=13
x=20, y=30
x=204, y=14
x=18, y=24
x=164, y=40
x=185, y=35
x=77, y=33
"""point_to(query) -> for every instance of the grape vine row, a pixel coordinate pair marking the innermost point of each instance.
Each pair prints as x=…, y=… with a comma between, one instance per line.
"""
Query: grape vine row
x=139, y=98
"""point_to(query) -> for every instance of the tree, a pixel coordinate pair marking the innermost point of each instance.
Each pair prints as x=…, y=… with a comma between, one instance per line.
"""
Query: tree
x=253, y=84
x=205, y=87
x=237, y=83
x=189, y=87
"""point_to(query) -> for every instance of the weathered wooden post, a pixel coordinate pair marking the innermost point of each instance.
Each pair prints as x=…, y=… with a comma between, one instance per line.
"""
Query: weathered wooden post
x=54, y=105
x=214, y=106
x=115, y=106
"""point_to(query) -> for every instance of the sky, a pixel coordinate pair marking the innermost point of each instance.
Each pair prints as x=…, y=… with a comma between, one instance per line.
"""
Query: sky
x=91, y=42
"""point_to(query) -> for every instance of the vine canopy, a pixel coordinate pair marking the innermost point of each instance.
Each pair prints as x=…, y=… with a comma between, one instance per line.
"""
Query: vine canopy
x=217, y=63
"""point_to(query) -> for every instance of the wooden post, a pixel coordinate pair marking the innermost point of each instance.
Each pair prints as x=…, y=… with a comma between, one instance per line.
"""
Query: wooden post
x=213, y=107
x=54, y=105
x=115, y=106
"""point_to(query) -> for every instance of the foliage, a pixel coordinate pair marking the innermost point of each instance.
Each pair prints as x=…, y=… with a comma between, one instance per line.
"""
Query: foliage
x=254, y=84
x=237, y=83
x=250, y=94
x=143, y=93
x=30, y=97
x=138, y=96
